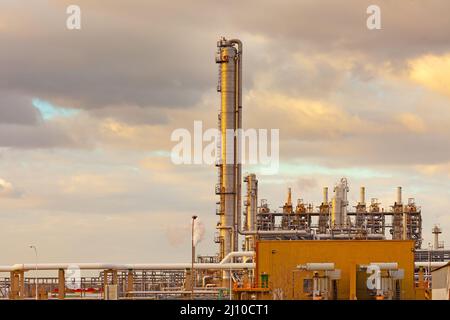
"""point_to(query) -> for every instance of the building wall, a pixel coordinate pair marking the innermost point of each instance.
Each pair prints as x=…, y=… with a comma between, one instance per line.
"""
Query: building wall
x=280, y=258
x=441, y=283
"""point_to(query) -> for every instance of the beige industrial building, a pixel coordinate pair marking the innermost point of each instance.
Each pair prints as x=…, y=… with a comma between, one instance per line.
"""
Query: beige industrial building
x=441, y=283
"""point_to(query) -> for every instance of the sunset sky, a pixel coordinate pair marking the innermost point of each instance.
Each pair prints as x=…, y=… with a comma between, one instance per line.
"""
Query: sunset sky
x=86, y=115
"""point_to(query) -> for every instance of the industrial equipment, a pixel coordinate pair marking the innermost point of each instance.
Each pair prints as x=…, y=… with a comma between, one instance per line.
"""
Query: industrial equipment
x=229, y=58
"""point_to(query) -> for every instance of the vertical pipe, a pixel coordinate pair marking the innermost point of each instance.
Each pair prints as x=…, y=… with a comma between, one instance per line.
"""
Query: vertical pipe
x=334, y=218
x=105, y=283
x=22, y=285
x=399, y=195
x=14, y=285
x=251, y=210
x=237, y=145
x=193, y=257
x=130, y=283
x=61, y=284
x=362, y=196
x=325, y=195
x=436, y=241
x=405, y=227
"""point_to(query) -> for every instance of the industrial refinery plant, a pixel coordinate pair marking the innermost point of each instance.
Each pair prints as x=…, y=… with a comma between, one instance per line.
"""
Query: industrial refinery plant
x=335, y=251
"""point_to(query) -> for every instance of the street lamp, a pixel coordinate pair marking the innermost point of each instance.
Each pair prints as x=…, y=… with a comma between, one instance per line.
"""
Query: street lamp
x=193, y=257
x=36, y=275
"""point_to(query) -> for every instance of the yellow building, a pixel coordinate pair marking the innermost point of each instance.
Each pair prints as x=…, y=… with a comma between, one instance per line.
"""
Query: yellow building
x=336, y=269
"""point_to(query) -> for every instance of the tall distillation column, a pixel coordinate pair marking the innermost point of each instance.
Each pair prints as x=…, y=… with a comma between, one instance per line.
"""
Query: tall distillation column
x=229, y=58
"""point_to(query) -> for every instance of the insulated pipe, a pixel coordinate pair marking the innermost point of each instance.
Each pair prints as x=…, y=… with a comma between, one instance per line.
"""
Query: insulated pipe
x=371, y=236
x=432, y=264
x=275, y=232
x=385, y=265
x=107, y=266
x=325, y=195
x=326, y=266
x=237, y=254
x=172, y=292
x=399, y=195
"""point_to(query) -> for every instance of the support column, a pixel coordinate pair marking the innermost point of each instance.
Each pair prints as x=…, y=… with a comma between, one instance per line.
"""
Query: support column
x=14, y=285
x=105, y=282
x=188, y=280
x=114, y=276
x=130, y=283
x=22, y=284
x=61, y=284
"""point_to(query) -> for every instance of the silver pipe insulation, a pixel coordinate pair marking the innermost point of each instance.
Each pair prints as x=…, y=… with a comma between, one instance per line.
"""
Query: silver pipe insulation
x=433, y=264
x=275, y=232
x=172, y=292
x=109, y=266
x=168, y=266
x=385, y=265
x=228, y=257
x=371, y=236
x=322, y=266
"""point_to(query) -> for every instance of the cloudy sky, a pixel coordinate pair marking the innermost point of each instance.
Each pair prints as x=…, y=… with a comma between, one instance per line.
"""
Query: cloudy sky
x=86, y=115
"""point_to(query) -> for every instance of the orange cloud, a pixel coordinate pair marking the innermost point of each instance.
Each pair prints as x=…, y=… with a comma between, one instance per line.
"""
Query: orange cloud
x=432, y=72
x=412, y=122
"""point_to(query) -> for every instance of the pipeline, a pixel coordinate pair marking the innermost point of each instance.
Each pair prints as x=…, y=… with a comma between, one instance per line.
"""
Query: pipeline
x=231, y=255
x=109, y=266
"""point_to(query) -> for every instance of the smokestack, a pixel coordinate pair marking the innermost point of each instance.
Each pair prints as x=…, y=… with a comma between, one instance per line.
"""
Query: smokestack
x=362, y=195
x=325, y=195
x=399, y=195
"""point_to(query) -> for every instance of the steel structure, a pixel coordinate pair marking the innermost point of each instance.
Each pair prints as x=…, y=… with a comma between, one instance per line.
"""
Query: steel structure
x=333, y=221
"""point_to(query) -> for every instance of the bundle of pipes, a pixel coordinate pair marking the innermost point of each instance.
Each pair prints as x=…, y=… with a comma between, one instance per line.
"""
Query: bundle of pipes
x=157, y=266
x=224, y=264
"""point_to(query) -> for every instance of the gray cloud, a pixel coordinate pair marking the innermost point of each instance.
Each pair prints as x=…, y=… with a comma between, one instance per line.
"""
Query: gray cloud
x=132, y=115
x=8, y=190
x=17, y=109
x=150, y=55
